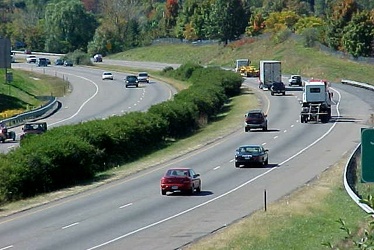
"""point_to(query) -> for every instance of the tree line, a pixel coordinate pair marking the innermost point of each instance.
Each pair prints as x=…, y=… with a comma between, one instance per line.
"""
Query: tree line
x=112, y=26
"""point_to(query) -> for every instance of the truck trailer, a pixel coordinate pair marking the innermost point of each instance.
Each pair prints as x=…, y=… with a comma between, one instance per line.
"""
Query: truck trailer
x=270, y=72
x=316, y=105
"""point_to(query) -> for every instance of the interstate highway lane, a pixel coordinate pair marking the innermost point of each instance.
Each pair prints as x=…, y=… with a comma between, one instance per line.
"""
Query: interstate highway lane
x=131, y=214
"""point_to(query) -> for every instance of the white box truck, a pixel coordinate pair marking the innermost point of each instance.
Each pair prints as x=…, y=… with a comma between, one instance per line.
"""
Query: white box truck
x=270, y=72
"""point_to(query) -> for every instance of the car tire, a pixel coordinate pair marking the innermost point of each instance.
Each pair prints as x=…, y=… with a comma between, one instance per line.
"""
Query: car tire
x=246, y=129
x=163, y=192
x=265, y=128
x=190, y=192
x=266, y=162
x=198, y=189
x=237, y=165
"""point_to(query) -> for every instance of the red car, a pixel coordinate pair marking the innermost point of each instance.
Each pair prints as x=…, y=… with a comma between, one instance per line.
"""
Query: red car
x=182, y=180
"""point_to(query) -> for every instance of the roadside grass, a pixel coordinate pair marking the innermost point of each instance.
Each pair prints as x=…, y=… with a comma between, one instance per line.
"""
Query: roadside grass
x=306, y=219
x=27, y=90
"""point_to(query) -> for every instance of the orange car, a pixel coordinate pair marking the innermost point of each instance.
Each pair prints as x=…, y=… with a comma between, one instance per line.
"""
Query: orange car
x=181, y=180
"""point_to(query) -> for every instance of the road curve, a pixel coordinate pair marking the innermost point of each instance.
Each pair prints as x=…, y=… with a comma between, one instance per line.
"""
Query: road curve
x=131, y=214
x=92, y=98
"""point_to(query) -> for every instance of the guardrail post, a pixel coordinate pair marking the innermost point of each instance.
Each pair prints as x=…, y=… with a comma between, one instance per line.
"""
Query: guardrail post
x=265, y=204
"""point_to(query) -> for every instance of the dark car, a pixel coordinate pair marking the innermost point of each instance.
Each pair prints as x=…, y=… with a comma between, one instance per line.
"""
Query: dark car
x=251, y=155
x=278, y=88
x=181, y=180
x=68, y=63
x=255, y=119
x=131, y=80
x=33, y=128
x=42, y=62
x=295, y=80
x=59, y=61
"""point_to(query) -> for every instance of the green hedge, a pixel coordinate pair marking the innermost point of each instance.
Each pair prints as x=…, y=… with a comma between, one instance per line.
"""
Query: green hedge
x=72, y=154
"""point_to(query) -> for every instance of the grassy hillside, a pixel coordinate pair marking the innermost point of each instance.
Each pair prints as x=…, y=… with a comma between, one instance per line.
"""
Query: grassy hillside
x=296, y=59
x=26, y=91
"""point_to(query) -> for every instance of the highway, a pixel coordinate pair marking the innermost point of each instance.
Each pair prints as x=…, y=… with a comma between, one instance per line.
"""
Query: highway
x=132, y=214
x=92, y=98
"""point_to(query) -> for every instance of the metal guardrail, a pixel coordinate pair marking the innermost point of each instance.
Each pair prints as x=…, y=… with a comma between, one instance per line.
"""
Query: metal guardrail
x=32, y=115
x=351, y=165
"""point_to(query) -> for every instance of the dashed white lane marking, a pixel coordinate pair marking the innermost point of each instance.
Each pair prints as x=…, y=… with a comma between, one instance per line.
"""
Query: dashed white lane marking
x=7, y=247
x=71, y=225
x=285, y=131
x=127, y=205
x=275, y=137
x=216, y=168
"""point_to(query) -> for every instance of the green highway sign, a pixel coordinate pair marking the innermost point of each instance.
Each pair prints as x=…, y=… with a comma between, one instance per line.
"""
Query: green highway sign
x=367, y=155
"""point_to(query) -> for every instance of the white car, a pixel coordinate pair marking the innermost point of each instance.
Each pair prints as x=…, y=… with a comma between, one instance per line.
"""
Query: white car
x=107, y=76
x=143, y=77
x=295, y=80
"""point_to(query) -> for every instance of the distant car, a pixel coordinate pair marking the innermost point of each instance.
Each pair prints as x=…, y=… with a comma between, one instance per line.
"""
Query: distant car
x=181, y=180
x=27, y=51
x=255, y=119
x=98, y=58
x=295, y=80
x=68, y=63
x=31, y=59
x=251, y=155
x=107, y=76
x=278, y=88
x=59, y=61
x=33, y=128
x=41, y=62
x=143, y=77
x=131, y=80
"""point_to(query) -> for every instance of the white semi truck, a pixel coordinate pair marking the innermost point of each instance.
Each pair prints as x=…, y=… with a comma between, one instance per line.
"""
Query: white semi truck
x=316, y=105
x=270, y=72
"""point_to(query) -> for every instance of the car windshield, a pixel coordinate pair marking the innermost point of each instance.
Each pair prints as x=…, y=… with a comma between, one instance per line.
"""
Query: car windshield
x=255, y=115
x=250, y=150
x=177, y=172
x=107, y=73
x=131, y=78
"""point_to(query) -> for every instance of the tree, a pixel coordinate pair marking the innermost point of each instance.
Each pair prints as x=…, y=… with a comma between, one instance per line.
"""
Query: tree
x=68, y=26
x=171, y=14
x=339, y=16
x=227, y=20
x=359, y=35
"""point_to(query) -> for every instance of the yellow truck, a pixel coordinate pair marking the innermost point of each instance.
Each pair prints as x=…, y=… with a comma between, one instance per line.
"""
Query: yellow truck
x=245, y=69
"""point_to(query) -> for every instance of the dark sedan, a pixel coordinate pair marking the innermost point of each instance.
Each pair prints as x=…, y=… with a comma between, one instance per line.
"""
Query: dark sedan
x=131, y=80
x=181, y=180
x=251, y=155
